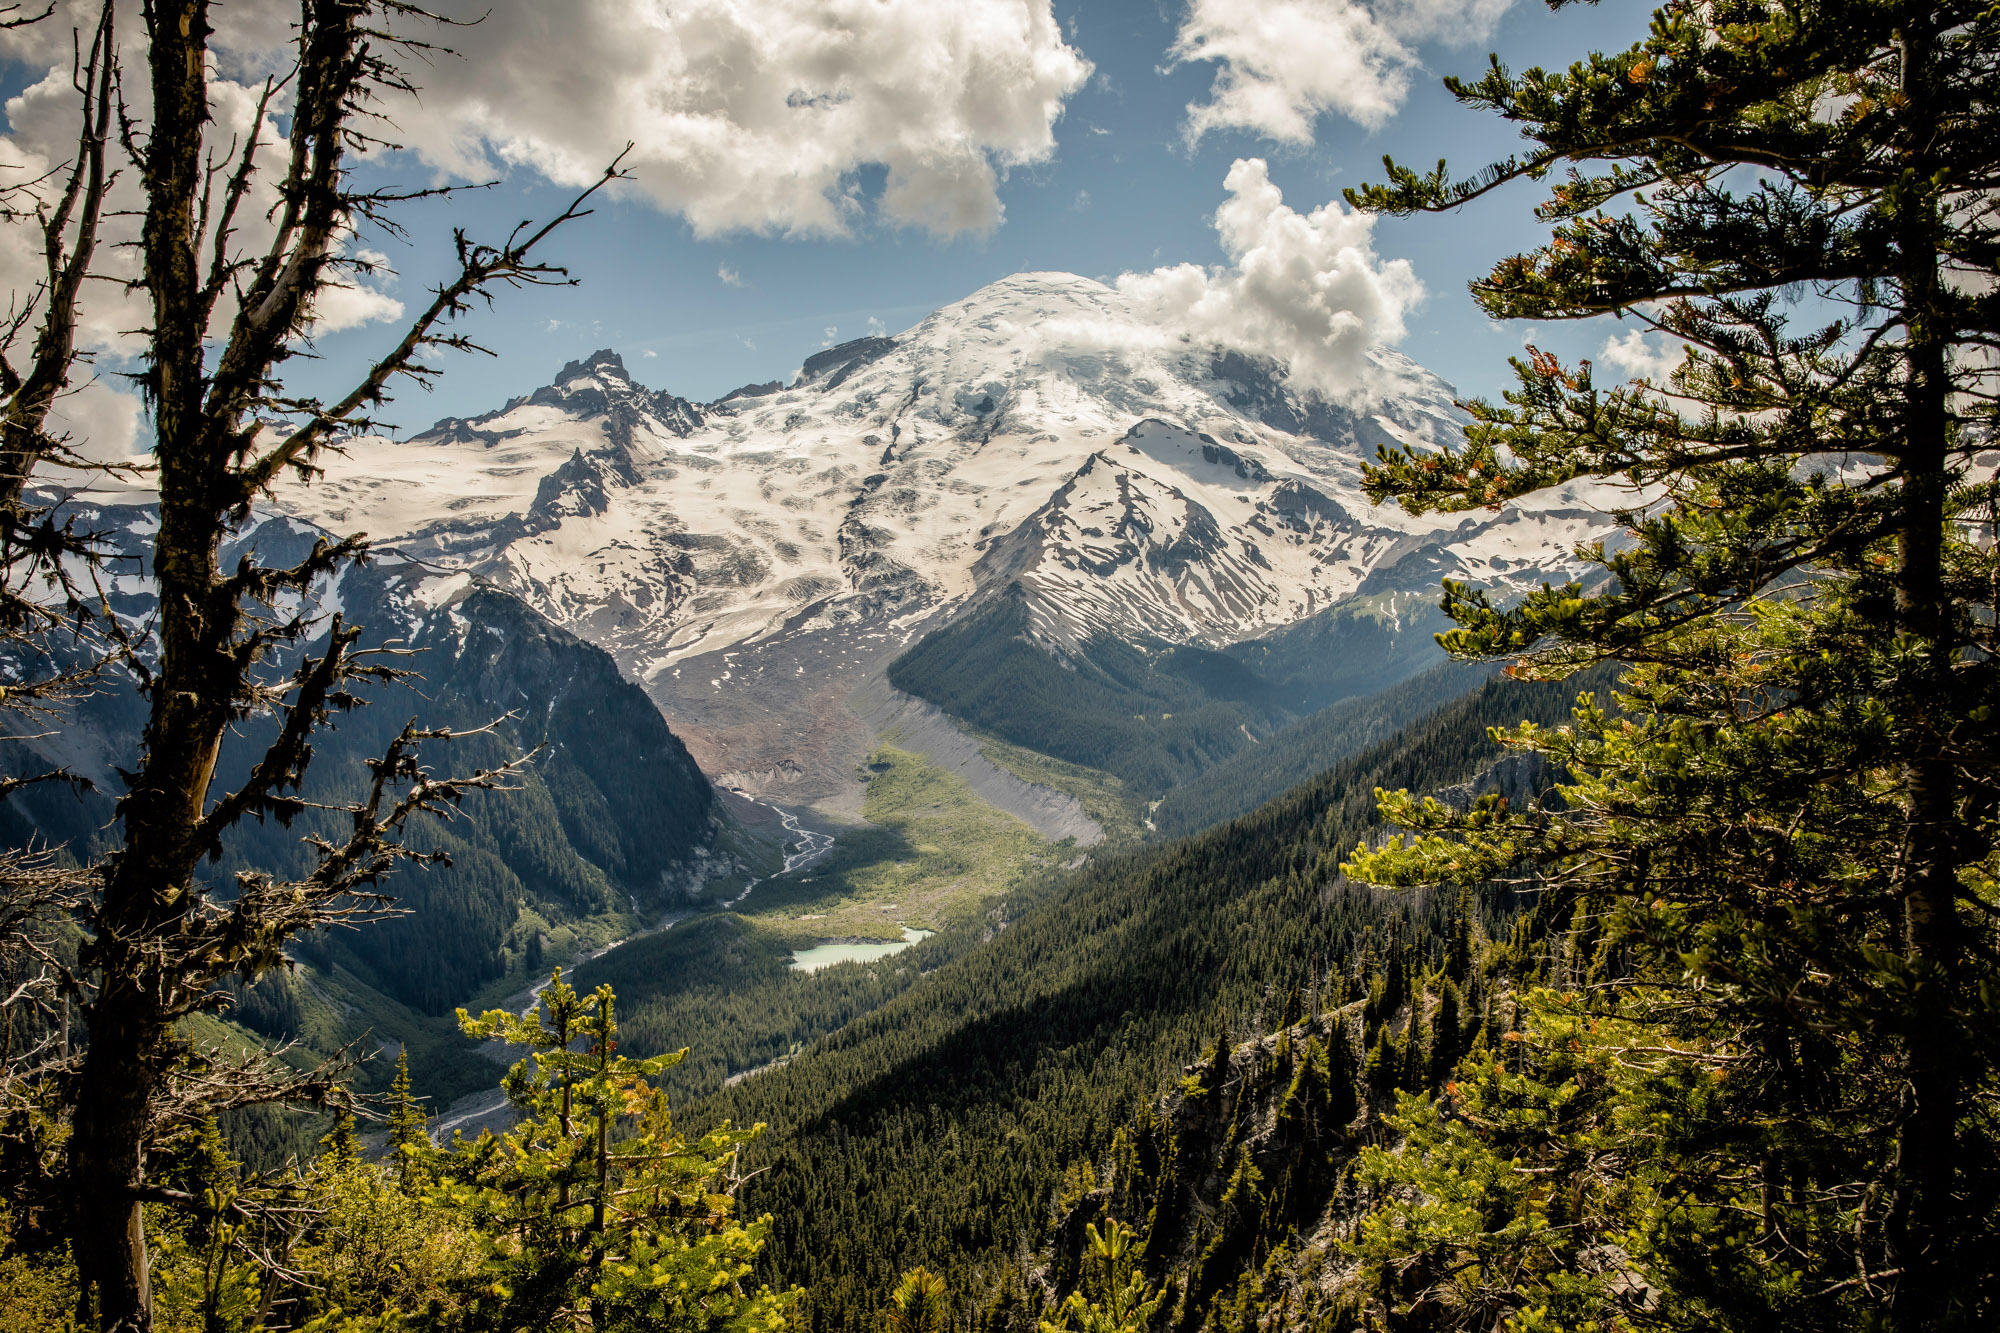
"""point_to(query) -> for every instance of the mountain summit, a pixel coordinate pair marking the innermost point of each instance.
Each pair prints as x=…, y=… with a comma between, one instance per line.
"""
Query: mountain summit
x=752, y=559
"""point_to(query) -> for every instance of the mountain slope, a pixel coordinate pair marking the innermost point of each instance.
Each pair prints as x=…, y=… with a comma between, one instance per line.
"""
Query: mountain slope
x=613, y=823
x=938, y=1128
x=750, y=561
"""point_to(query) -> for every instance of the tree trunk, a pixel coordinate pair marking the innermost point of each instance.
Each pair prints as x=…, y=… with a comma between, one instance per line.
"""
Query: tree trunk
x=1922, y=1224
x=148, y=884
x=106, y=1172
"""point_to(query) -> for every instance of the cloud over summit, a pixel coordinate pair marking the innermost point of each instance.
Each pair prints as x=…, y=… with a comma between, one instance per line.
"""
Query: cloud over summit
x=1306, y=289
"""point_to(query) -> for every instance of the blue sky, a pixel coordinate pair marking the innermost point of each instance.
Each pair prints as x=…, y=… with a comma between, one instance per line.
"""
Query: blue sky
x=700, y=307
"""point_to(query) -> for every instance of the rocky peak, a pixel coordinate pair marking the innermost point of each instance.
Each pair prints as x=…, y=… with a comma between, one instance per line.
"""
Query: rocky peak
x=600, y=386
x=604, y=362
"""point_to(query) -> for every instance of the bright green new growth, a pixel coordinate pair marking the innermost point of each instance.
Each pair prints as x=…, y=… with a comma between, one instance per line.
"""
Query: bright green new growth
x=597, y=1213
x=1121, y=1300
x=408, y=1138
x=918, y=1304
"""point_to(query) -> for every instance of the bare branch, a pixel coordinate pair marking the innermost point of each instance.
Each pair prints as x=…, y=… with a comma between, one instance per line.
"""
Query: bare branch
x=481, y=268
x=23, y=440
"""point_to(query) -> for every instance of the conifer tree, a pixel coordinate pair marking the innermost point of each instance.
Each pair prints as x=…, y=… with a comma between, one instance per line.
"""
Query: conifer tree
x=408, y=1137
x=599, y=1213
x=1120, y=1299
x=918, y=1304
x=341, y=1144
x=1789, y=829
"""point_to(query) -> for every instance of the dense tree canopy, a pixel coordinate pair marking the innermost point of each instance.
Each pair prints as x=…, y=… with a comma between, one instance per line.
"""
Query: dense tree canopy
x=1785, y=843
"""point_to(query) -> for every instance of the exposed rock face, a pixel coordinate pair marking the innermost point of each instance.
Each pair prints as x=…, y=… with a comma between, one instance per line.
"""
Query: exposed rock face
x=1035, y=436
x=613, y=813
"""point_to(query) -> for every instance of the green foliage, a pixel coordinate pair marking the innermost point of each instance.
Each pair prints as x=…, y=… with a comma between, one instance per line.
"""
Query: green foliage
x=592, y=1213
x=408, y=1137
x=1586, y=1173
x=1120, y=1299
x=587, y=1229
x=935, y=1127
x=202, y=1280
x=918, y=1304
x=1788, y=833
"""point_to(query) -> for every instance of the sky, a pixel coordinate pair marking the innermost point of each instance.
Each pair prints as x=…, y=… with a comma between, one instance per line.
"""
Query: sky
x=811, y=171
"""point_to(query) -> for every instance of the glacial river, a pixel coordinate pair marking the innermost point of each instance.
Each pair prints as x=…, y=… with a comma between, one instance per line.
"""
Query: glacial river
x=481, y=1110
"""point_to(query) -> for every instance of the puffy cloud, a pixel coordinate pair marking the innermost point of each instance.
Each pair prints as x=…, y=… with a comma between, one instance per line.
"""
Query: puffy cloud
x=355, y=297
x=1284, y=63
x=1304, y=288
x=1633, y=352
x=758, y=114
x=98, y=422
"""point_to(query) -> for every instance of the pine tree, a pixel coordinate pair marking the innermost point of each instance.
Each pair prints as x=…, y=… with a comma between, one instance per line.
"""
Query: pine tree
x=1385, y=1060
x=409, y=1138
x=1120, y=1299
x=206, y=1274
x=1447, y=1033
x=600, y=1213
x=1788, y=830
x=341, y=1143
x=918, y=1304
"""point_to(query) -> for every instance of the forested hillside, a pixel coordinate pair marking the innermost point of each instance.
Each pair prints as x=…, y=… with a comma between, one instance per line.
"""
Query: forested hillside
x=1155, y=715
x=611, y=822
x=1303, y=749
x=935, y=1129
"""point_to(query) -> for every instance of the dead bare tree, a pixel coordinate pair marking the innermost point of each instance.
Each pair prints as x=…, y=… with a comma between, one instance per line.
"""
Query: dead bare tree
x=159, y=940
x=69, y=223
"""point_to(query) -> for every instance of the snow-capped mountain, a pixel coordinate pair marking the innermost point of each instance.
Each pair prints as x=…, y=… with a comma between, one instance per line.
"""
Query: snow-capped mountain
x=749, y=560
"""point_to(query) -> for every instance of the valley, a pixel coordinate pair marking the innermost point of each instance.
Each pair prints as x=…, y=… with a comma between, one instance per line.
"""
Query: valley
x=949, y=619
x=1065, y=803
x=924, y=764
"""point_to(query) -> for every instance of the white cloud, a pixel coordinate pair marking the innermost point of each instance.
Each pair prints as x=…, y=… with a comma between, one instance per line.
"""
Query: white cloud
x=832, y=332
x=649, y=353
x=758, y=114
x=98, y=422
x=876, y=328
x=1633, y=352
x=355, y=297
x=1284, y=63
x=102, y=419
x=730, y=277
x=1304, y=288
